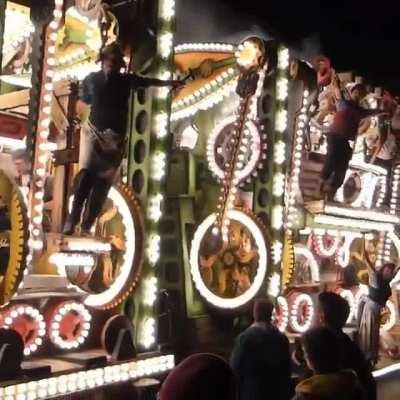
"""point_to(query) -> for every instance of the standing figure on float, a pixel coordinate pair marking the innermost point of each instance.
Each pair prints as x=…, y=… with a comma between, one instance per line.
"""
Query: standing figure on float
x=341, y=132
x=371, y=306
x=103, y=135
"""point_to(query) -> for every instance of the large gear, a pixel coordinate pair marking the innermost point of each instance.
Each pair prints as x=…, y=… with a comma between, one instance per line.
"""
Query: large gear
x=17, y=238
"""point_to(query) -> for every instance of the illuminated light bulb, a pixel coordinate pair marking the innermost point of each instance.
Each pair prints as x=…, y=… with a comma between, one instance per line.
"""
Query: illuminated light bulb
x=47, y=98
x=51, y=60
x=37, y=245
x=37, y=220
x=45, y=122
x=57, y=14
x=44, y=134
x=281, y=120
x=46, y=110
x=41, y=172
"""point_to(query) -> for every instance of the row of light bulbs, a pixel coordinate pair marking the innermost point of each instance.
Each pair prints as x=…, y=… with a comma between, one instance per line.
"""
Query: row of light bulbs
x=158, y=166
x=67, y=384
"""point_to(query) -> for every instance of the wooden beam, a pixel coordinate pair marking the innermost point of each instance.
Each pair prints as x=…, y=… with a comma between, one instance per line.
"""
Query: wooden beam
x=14, y=99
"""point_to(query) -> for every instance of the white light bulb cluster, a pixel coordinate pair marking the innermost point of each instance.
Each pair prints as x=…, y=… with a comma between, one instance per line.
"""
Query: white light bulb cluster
x=282, y=88
x=279, y=152
x=281, y=318
x=62, y=311
x=153, y=248
x=319, y=245
x=395, y=190
x=343, y=254
x=158, y=165
x=350, y=298
x=165, y=44
x=277, y=251
x=20, y=312
x=148, y=332
x=11, y=144
x=393, y=316
x=283, y=58
x=301, y=250
x=88, y=245
x=207, y=96
x=207, y=47
x=161, y=125
x=17, y=29
x=69, y=384
x=167, y=9
x=281, y=120
x=37, y=188
x=150, y=291
x=294, y=188
x=154, y=207
x=277, y=217
x=301, y=312
x=63, y=260
x=248, y=54
x=274, y=285
x=278, y=184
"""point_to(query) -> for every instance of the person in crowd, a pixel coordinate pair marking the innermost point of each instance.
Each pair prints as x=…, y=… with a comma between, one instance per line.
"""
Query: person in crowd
x=200, y=377
x=22, y=164
x=333, y=312
x=329, y=381
x=343, y=129
x=103, y=135
x=371, y=306
x=261, y=358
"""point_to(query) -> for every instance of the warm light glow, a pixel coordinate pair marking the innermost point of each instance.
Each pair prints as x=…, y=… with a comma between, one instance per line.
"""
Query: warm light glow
x=302, y=251
x=301, y=300
x=248, y=222
x=106, y=297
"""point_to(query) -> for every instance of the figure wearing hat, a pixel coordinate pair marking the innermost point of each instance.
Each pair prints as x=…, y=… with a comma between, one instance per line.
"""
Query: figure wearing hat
x=343, y=129
x=103, y=135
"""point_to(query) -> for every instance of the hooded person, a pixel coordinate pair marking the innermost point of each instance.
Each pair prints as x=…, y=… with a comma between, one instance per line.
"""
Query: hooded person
x=261, y=358
x=333, y=312
x=200, y=377
x=323, y=354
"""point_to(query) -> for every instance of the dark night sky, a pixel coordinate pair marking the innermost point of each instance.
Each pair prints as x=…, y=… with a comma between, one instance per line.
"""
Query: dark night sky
x=357, y=35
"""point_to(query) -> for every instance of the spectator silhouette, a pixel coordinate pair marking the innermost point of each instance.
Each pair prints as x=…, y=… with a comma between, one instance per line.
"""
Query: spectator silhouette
x=200, y=377
x=261, y=358
x=333, y=313
x=322, y=350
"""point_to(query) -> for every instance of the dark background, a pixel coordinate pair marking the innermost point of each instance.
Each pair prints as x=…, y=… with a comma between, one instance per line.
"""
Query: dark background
x=363, y=36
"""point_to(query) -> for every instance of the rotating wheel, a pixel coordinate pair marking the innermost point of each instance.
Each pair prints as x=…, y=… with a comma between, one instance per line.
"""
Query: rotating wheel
x=231, y=274
x=109, y=277
x=29, y=323
x=219, y=149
